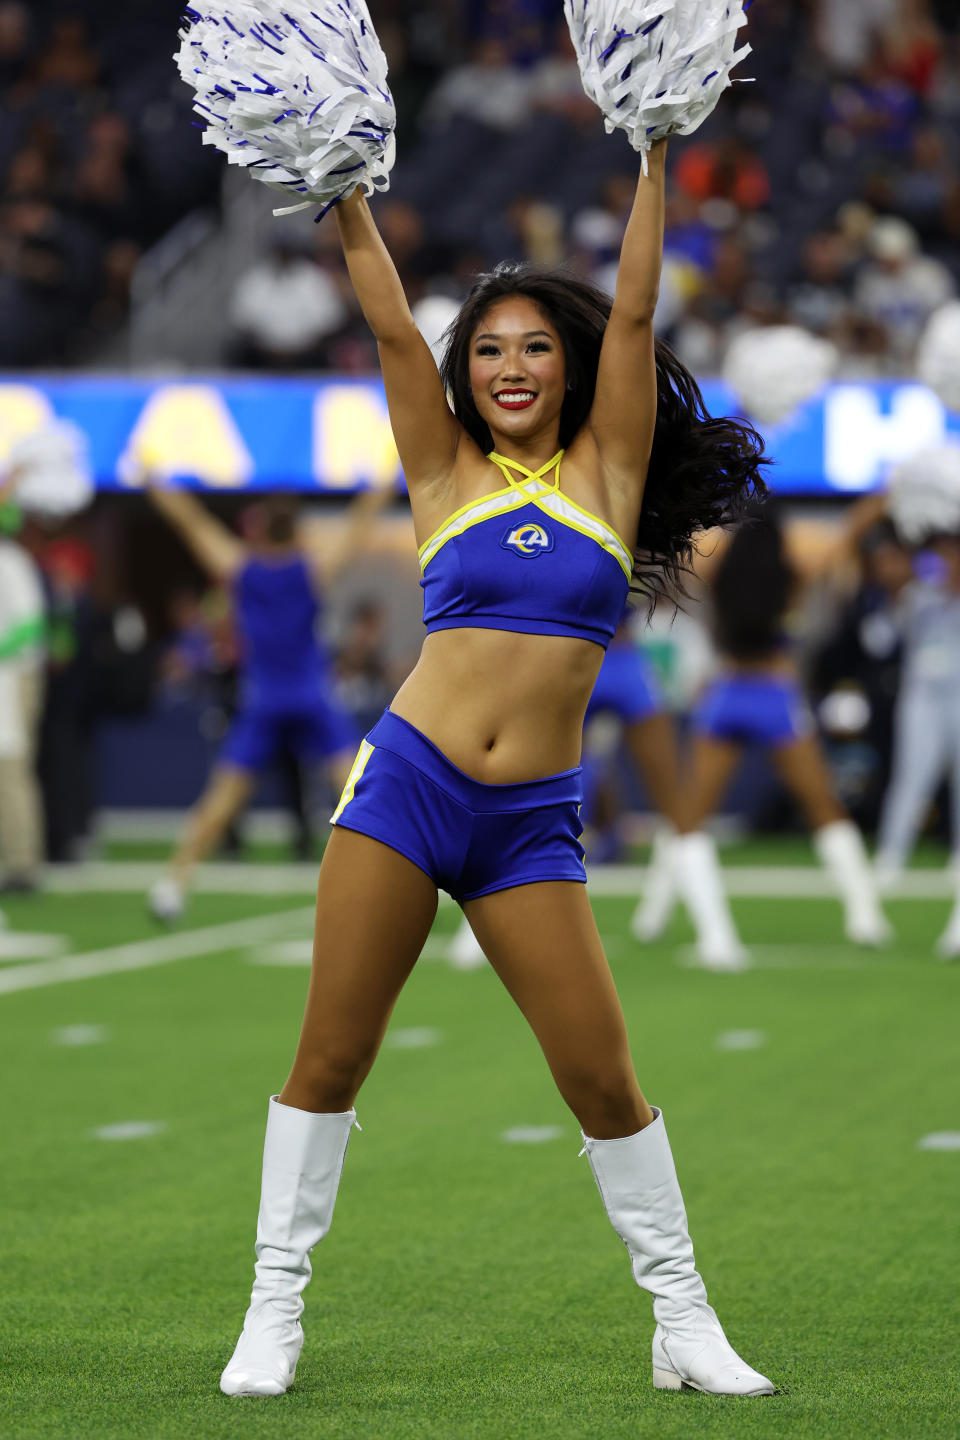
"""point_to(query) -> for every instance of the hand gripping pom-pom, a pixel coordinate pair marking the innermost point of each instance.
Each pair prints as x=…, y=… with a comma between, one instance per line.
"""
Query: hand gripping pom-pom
x=924, y=494
x=51, y=471
x=938, y=358
x=655, y=67
x=773, y=370
x=295, y=93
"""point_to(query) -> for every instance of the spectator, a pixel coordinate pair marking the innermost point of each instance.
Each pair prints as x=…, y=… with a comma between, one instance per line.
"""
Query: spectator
x=286, y=310
x=21, y=691
x=488, y=89
x=900, y=288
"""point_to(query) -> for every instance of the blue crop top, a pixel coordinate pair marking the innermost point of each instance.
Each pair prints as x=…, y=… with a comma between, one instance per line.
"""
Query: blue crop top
x=526, y=558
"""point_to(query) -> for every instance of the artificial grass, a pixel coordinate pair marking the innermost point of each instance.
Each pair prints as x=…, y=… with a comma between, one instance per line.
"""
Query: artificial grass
x=472, y=1288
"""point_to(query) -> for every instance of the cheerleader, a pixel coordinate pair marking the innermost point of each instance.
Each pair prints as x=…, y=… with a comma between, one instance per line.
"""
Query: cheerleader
x=758, y=700
x=572, y=442
x=285, y=689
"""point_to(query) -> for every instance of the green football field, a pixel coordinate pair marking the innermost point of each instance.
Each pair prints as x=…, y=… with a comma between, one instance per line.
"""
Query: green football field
x=471, y=1286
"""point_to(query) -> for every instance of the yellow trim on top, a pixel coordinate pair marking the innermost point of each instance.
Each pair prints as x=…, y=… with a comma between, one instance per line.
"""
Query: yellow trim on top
x=506, y=465
x=505, y=490
x=519, y=488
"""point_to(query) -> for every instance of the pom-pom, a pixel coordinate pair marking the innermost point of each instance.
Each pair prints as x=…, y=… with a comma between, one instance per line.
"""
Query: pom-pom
x=774, y=369
x=938, y=358
x=296, y=93
x=656, y=68
x=50, y=469
x=924, y=494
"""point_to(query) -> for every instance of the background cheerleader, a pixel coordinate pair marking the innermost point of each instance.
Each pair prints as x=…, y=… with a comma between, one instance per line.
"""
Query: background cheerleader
x=286, y=699
x=758, y=700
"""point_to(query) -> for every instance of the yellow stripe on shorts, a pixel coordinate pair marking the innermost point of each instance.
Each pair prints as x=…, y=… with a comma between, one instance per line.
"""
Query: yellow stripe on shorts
x=357, y=769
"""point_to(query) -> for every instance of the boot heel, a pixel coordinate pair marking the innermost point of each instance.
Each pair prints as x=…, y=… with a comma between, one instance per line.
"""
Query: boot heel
x=666, y=1379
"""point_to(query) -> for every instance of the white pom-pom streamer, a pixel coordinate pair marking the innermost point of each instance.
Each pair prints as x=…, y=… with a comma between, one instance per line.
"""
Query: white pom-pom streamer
x=51, y=471
x=938, y=358
x=296, y=93
x=655, y=67
x=924, y=494
x=774, y=369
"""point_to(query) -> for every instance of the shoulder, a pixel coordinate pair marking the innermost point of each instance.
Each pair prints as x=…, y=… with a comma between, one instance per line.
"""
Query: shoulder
x=611, y=496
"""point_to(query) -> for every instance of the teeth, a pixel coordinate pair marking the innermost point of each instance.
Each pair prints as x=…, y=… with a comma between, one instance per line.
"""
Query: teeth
x=520, y=399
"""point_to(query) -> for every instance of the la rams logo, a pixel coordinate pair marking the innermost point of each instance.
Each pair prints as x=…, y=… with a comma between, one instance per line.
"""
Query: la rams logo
x=528, y=540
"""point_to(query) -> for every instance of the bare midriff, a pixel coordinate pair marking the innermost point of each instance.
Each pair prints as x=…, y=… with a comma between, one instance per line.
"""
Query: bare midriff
x=501, y=706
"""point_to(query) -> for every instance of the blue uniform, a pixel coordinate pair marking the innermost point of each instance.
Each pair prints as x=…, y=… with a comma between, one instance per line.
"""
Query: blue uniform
x=523, y=558
x=627, y=686
x=754, y=709
x=285, y=692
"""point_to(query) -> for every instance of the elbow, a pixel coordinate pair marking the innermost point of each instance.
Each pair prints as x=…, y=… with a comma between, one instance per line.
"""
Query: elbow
x=637, y=310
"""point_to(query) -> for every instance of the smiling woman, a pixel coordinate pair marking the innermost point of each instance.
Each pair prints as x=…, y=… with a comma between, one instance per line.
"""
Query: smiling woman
x=577, y=461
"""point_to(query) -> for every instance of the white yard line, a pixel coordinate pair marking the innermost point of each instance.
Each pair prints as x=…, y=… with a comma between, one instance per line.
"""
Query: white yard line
x=742, y=881
x=144, y=954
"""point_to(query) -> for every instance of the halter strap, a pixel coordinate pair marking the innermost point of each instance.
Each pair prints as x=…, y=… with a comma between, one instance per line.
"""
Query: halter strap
x=505, y=465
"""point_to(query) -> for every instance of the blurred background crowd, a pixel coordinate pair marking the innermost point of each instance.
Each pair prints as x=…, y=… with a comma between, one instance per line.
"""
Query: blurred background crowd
x=826, y=193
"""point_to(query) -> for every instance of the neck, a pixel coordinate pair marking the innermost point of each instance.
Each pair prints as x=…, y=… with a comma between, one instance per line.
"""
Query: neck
x=531, y=450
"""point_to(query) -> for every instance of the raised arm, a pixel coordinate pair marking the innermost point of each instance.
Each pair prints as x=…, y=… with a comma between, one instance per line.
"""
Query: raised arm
x=329, y=560
x=625, y=406
x=215, y=547
x=424, y=427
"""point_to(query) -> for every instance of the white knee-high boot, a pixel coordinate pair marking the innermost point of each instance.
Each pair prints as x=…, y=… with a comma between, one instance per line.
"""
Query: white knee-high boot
x=638, y=1183
x=654, y=909
x=700, y=882
x=840, y=848
x=303, y=1157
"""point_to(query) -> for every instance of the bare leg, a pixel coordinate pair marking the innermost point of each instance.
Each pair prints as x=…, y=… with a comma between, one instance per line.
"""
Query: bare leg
x=542, y=941
x=803, y=770
x=838, y=842
x=653, y=748
x=225, y=796
x=374, y=913
x=374, y=910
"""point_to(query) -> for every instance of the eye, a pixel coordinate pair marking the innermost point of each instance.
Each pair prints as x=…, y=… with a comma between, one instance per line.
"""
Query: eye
x=487, y=349
x=539, y=347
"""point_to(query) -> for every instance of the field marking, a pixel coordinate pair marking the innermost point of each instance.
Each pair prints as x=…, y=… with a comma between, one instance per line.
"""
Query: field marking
x=624, y=881
x=144, y=954
x=940, y=1140
x=284, y=953
x=76, y=1035
x=803, y=955
x=414, y=1037
x=25, y=945
x=741, y=1040
x=130, y=1130
x=531, y=1134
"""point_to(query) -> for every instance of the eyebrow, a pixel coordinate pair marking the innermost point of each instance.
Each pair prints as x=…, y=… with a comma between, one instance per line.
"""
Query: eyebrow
x=527, y=335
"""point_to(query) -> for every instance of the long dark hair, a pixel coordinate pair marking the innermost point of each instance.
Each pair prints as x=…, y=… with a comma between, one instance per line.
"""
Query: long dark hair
x=753, y=586
x=702, y=471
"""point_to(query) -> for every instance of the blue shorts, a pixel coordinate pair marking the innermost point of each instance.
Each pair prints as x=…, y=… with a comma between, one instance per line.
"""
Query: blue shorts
x=627, y=686
x=313, y=728
x=470, y=838
x=754, y=709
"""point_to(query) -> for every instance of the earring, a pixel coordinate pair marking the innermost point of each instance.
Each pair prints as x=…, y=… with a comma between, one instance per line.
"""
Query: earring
x=569, y=384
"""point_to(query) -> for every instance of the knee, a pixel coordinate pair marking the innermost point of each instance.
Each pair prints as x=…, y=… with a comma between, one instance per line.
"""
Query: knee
x=606, y=1099
x=328, y=1077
